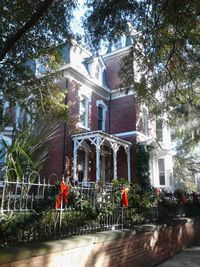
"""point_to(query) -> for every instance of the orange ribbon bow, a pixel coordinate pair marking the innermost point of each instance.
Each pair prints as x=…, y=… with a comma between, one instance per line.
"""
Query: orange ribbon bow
x=125, y=196
x=64, y=191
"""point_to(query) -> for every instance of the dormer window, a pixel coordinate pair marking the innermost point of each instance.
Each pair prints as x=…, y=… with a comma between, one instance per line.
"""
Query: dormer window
x=102, y=108
x=119, y=43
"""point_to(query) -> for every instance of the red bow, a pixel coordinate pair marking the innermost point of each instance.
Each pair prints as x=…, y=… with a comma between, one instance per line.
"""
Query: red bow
x=64, y=191
x=157, y=191
x=125, y=196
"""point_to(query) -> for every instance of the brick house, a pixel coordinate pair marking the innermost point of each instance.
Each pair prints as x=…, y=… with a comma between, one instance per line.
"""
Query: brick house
x=99, y=142
x=105, y=123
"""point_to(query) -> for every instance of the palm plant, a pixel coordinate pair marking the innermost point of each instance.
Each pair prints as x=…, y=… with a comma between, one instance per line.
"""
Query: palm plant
x=28, y=150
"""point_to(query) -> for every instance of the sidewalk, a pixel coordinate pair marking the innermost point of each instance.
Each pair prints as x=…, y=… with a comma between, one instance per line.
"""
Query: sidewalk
x=189, y=257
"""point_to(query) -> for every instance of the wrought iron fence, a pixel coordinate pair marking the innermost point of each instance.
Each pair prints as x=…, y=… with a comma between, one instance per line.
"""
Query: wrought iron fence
x=28, y=205
x=23, y=194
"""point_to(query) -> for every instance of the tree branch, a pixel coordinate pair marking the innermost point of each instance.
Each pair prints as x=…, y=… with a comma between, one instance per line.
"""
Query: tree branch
x=12, y=40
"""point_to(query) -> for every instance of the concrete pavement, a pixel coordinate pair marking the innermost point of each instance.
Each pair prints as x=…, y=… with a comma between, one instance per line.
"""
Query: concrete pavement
x=189, y=257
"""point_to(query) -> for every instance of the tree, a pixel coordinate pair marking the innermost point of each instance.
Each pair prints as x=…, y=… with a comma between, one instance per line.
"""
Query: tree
x=28, y=30
x=142, y=167
x=165, y=46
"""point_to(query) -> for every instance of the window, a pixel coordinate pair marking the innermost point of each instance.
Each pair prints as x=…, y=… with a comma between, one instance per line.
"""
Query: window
x=100, y=118
x=102, y=108
x=161, y=167
x=117, y=44
x=84, y=111
x=82, y=165
x=159, y=130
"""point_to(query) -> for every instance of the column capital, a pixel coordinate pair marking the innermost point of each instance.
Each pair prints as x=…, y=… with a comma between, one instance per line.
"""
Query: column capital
x=115, y=147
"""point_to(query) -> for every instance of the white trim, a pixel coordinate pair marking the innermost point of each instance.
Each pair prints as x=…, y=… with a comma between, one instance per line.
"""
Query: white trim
x=121, y=92
x=105, y=136
x=84, y=75
x=101, y=103
x=86, y=165
x=117, y=53
x=126, y=133
x=97, y=138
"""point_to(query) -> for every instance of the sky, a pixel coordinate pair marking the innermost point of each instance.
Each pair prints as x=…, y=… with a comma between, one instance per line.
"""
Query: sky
x=77, y=26
x=78, y=14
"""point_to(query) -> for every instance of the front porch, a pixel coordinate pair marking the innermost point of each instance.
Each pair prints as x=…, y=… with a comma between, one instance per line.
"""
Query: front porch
x=103, y=143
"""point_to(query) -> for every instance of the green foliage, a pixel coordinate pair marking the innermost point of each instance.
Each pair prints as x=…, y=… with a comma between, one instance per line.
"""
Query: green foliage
x=142, y=167
x=32, y=30
x=24, y=223
x=165, y=41
x=28, y=150
x=142, y=200
x=165, y=50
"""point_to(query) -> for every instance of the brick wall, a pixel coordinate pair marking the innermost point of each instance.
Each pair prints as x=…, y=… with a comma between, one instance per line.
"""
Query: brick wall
x=122, y=114
x=130, y=248
x=54, y=163
x=112, y=71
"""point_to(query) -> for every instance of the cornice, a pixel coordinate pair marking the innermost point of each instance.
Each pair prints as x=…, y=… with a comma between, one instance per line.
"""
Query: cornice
x=118, y=53
x=70, y=71
x=122, y=92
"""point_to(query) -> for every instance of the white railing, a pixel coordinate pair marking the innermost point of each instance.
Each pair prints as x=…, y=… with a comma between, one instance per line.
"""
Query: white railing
x=18, y=194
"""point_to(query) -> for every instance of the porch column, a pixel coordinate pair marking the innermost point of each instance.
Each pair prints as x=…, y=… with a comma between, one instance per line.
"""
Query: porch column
x=75, y=160
x=98, y=147
x=115, y=148
x=128, y=163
